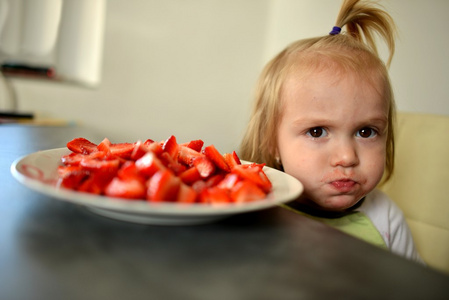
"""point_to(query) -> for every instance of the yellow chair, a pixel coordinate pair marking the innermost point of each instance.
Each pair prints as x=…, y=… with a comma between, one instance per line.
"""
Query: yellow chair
x=420, y=183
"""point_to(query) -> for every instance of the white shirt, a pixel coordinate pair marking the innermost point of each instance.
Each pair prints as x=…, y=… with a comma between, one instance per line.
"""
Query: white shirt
x=389, y=220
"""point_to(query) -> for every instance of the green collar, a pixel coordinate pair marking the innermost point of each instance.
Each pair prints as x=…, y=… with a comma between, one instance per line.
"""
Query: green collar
x=354, y=223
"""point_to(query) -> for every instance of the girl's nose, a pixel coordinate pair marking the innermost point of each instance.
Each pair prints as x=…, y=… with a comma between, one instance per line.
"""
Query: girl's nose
x=344, y=154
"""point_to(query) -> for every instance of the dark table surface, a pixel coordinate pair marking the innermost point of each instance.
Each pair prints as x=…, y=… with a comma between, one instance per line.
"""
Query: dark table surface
x=52, y=249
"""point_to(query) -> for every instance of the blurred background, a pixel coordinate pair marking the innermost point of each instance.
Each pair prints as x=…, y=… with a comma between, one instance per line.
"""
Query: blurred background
x=189, y=67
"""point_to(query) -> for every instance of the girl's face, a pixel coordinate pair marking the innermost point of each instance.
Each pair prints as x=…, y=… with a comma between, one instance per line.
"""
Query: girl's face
x=332, y=137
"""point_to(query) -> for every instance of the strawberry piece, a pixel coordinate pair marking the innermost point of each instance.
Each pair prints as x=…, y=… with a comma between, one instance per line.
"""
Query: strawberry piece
x=122, y=150
x=214, y=180
x=199, y=186
x=149, y=164
x=231, y=159
x=196, y=145
x=212, y=153
x=171, y=146
x=186, y=194
x=104, y=166
x=104, y=146
x=71, y=176
x=96, y=183
x=72, y=159
x=187, y=155
x=129, y=188
x=204, y=166
x=215, y=195
x=236, y=158
x=129, y=171
x=163, y=186
x=229, y=181
x=255, y=174
x=81, y=145
x=246, y=191
x=190, y=175
x=171, y=163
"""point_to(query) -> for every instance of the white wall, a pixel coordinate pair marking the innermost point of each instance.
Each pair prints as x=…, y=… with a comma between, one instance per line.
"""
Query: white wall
x=188, y=68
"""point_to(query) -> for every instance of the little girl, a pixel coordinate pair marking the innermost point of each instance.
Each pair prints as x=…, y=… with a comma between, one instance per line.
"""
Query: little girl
x=324, y=113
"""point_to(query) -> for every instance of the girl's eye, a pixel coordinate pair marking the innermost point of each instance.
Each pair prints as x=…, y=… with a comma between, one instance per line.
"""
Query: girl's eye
x=366, y=132
x=317, y=132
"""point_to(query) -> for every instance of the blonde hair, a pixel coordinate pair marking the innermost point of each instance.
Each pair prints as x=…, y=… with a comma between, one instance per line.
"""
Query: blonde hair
x=352, y=51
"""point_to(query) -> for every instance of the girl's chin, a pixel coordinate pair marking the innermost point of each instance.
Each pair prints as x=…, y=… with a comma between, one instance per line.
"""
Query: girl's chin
x=336, y=203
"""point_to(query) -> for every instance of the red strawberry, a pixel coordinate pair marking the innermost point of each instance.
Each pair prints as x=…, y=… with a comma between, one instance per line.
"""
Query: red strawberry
x=96, y=183
x=187, y=155
x=149, y=164
x=171, y=146
x=255, y=174
x=231, y=160
x=163, y=186
x=186, y=194
x=204, y=166
x=96, y=165
x=246, y=191
x=71, y=176
x=229, y=181
x=215, y=195
x=104, y=146
x=72, y=159
x=214, y=180
x=128, y=188
x=122, y=150
x=171, y=163
x=129, y=171
x=190, y=175
x=196, y=145
x=81, y=145
x=212, y=153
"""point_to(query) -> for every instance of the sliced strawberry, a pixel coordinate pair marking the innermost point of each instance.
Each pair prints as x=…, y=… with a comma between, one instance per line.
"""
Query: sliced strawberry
x=104, y=146
x=122, y=150
x=199, y=186
x=190, y=175
x=104, y=166
x=231, y=159
x=129, y=171
x=139, y=150
x=171, y=146
x=204, y=166
x=72, y=159
x=212, y=153
x=128, y=188
x=81, y=145
x=215, y=179
x=215, y=195
x=187, y=155
x=96, y=183
x=71, y=176
x=196, y=145
x=255, y=174
x=246, y=191
x=186, y=194
x=171, y=163
x=163, y=186
x=229, y=181
x=236, y=157
x=149, y=164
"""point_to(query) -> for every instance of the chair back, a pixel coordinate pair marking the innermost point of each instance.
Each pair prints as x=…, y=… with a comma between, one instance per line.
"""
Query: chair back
x=420, y=183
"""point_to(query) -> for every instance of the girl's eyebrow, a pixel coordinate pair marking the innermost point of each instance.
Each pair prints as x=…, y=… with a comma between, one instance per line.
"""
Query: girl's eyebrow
x=304, y=121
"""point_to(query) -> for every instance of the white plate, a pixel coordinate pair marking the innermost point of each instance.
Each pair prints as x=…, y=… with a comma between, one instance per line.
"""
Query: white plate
x=38, y=171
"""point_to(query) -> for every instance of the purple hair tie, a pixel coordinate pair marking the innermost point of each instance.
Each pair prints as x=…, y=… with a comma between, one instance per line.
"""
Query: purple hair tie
x=335, y=30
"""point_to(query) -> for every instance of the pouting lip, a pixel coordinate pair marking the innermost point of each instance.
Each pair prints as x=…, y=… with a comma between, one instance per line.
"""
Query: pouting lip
x=343, y=185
